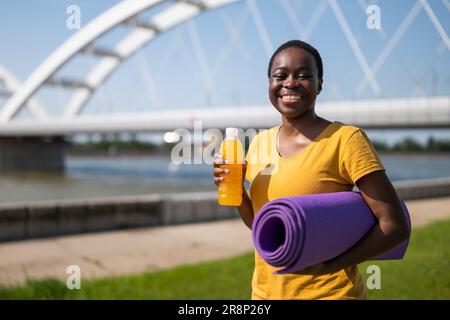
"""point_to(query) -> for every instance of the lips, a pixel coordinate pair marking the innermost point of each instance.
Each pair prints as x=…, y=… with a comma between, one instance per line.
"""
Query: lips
x=291, y=97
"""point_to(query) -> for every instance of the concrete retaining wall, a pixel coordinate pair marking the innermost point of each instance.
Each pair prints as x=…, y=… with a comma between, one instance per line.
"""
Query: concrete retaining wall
x=419, y=189
x=35, y=153
x=55, y=218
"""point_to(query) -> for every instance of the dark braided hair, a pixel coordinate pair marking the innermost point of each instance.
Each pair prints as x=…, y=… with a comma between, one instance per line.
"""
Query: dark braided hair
x=302, y=45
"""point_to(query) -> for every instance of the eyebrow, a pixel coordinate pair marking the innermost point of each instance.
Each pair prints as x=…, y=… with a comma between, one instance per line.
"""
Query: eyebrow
x=302, y=68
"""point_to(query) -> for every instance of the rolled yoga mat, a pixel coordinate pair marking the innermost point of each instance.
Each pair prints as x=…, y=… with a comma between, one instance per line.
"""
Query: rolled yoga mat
x=297, y=232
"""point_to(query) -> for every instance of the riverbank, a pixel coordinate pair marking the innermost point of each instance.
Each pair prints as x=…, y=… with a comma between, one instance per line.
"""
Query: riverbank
x=37, y=219
x=139, y=250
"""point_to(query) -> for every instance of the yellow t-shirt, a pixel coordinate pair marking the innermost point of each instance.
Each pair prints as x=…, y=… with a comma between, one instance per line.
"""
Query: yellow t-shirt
x=332, y=162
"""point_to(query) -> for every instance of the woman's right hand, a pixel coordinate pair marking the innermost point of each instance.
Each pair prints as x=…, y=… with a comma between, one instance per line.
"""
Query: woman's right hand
x=245, y=208
x=218, y=171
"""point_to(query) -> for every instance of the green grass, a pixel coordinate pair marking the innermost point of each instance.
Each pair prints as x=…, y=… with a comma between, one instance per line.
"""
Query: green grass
x=423, y=274
x=223, y=279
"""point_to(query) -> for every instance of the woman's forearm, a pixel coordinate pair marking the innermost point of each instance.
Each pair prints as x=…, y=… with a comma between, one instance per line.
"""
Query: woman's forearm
x=246, y=209
x=382, y=237
x=391, y=228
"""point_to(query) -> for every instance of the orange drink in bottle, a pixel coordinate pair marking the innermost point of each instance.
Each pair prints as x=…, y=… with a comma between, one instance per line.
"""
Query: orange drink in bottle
x=230, y=189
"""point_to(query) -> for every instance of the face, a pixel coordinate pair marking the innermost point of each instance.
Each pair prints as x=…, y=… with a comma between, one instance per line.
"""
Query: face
x=294, y=82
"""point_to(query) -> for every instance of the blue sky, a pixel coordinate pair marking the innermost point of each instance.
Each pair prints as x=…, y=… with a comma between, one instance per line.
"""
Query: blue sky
x=418, y=66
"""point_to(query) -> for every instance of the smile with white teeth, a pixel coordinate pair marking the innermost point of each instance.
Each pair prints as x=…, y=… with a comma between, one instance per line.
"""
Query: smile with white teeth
x=292, y=97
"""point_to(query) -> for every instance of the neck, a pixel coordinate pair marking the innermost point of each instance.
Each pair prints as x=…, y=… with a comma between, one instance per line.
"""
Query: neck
x=304, y=125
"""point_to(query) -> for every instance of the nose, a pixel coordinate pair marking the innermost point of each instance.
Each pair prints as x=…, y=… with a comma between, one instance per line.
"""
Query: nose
x=289, y=82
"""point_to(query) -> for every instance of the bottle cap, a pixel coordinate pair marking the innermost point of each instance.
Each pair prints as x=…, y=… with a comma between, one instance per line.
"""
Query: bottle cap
x=231, y=132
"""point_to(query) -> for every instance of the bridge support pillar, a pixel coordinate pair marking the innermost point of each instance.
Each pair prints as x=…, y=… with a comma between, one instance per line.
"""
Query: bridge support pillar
x=32, y=153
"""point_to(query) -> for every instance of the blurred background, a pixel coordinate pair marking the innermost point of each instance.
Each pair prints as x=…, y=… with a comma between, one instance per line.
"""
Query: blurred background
x=91, y=93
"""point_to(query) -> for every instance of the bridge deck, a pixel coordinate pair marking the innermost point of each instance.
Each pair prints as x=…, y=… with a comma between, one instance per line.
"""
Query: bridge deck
x=393, y=113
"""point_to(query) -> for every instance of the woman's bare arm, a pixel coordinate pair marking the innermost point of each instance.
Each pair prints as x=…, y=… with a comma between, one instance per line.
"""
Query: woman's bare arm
x=391, y=229
x=246, y=209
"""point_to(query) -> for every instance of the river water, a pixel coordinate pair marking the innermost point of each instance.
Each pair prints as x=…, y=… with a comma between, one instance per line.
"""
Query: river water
x=94, y=176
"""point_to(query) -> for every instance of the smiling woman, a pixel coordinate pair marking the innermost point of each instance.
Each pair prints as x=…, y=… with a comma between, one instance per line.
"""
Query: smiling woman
x=307, y=154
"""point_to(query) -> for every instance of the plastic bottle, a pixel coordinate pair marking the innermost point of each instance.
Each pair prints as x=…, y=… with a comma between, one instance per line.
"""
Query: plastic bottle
x=230, y=190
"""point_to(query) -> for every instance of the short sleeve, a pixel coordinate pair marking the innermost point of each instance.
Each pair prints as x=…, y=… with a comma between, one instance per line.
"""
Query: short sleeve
x=359, y=157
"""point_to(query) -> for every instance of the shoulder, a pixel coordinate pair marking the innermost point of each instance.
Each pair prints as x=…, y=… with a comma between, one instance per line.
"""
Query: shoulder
x=260, y=151
x=262, y=142
x=264, y=135
x=345, y=132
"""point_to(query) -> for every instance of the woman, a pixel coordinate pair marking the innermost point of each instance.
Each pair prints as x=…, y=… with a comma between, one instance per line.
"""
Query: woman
x=307, y=154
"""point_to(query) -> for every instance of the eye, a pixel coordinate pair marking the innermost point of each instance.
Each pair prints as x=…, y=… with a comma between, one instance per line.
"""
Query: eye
x=279, y=76
x=304, y=76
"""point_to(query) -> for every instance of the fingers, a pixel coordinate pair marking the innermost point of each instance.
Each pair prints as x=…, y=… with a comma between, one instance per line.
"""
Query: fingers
x=217, y=174
x=218, y=171
x=218, y=180
x=218, y=160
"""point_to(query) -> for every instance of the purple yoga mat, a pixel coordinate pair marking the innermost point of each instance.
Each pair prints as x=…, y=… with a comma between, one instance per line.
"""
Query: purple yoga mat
x=297, y=232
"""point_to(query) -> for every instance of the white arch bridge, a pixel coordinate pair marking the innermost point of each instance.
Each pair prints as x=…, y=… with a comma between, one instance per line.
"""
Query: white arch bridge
x=393, y=113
